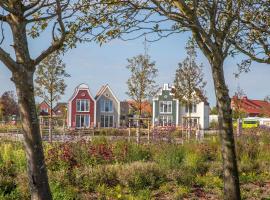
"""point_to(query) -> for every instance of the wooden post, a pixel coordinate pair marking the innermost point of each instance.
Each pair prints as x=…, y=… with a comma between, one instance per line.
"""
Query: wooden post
x=148, y=124
x=40, y=126
x=129, y=130
x=137, y=133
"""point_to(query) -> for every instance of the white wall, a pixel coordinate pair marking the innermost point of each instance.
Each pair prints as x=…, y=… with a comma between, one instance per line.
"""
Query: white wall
x=202, y=113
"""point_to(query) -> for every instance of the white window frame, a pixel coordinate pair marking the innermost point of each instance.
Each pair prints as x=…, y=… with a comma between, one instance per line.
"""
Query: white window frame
x=102, y=123
x=103, y=105
x=193, y=108
x=167, y=103
x=165, y=120
x=82, y=100
x=80, y=124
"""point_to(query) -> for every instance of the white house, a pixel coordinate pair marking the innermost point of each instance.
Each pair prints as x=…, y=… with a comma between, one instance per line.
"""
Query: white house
x=168, y=111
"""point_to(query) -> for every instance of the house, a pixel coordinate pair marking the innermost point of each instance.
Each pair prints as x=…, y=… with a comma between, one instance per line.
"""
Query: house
x=81, y=108
x=129, y=110
x=250, y=107
x=108, y=108
x=44, y=108
x=60, y=109
x=168, y=111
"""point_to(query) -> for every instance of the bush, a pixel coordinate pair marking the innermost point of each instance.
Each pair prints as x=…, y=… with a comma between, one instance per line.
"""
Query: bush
x=138, y=176
x=170, y=156
x=88, y=179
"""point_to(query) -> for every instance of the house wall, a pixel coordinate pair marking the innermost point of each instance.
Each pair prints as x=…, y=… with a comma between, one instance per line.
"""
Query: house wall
x=82, y=94
x=202, y=113
x=44, y=106
x=116, y=108
x=165, y=96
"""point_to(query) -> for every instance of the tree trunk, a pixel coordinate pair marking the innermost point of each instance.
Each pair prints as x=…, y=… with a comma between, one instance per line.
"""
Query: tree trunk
x=50, y=121
x=189, y=119
x=230, y=171
x=37, y=172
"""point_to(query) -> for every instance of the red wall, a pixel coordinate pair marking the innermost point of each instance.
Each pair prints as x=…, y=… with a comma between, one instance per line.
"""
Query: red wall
x=44, y=106
x=91, y=110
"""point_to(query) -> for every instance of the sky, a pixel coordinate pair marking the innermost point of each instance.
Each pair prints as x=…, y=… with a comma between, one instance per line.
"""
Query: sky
x=97, y=65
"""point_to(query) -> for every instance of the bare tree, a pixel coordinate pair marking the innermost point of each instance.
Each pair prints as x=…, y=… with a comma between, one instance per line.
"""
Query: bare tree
x=69, y=22
x=214, y=26
x=50, y=82
x=189, y=83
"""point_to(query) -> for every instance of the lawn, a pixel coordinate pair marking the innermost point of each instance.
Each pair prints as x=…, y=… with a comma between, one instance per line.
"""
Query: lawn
x=103, y=169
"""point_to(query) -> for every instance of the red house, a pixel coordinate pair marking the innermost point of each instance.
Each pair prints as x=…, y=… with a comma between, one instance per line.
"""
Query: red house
x=44, y=108
x=252, y=108
x=81, y=108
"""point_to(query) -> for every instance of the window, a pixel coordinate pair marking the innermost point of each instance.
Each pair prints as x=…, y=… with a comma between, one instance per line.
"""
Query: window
x=82, y=121
x=106, y=105
x=193, y=108
x=166, y=120
x=106, y=121
x=165, y=106
x=82, y=105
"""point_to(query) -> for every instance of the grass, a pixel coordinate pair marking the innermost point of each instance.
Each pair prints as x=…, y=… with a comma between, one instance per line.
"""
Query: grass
x=124, y=170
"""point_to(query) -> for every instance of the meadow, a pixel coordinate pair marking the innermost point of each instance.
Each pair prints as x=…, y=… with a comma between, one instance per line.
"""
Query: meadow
x=102, y=169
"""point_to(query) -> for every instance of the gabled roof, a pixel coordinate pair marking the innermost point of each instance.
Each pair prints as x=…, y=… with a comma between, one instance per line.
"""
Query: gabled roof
x=45, y=103
x=257, y=107
x=82, y=86
x=102, y=90
x=59, y=105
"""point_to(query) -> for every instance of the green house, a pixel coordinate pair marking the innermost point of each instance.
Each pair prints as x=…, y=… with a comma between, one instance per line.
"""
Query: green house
x=165, y=108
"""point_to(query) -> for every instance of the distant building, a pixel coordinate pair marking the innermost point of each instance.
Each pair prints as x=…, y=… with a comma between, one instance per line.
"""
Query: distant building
x=107, y=109
x=251, y=108
x=167, y=111
x=129, y=110
x=60, y=109
x=44, y=109
x=81, y=108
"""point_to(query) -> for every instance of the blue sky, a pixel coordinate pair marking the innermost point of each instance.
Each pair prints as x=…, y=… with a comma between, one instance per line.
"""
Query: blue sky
x=89, y=63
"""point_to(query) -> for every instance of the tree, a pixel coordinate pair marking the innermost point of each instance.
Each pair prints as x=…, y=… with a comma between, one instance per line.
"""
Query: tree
x=214, y=111
x=50, y=83
x=253, y=40
x=238, y=112
x=69, y=22
x=141, y=84
x=189, y=83
x=214, y=26
x=9, y=105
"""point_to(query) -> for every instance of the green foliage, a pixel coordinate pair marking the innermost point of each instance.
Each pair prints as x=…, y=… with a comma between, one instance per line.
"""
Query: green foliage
x=125, y=170
x=171, y=157
x=189, y=83
x=141, y=84
x=50, y=79
x=138, y=176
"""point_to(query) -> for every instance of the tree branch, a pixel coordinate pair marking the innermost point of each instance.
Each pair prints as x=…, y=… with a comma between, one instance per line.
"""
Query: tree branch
x=8, y=61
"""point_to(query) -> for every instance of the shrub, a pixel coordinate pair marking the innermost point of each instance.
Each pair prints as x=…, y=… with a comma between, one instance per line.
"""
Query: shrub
x=138, y=176
x=170, y=156
x=90, y=178
x=62, y=192
x=181, y=192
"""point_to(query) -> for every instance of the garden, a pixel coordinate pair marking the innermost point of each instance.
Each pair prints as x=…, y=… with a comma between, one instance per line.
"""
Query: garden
x=103, y=169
